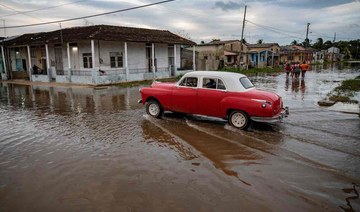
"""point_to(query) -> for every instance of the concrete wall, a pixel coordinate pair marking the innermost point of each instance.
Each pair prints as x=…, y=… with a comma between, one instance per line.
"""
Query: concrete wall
x=40, y=78
x=136, y=57
x=63, y=79
x=82, y=79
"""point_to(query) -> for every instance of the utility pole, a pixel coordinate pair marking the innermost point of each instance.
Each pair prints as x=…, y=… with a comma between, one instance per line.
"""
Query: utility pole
x=242, y=35
x=332, y=57
x=307, y=35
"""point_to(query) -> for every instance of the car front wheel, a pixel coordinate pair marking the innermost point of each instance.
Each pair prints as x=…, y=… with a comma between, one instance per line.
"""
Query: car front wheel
x=154, y=109
x=239, y=119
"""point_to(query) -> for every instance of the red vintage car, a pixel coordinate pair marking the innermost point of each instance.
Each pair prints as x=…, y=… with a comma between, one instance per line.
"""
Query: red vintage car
x=226, y=95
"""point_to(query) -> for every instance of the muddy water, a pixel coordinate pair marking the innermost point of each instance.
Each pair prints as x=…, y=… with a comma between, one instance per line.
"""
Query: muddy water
x=81, y=149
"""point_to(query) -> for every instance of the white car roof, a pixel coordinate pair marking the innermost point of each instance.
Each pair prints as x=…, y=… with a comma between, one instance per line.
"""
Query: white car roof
x=230, y=79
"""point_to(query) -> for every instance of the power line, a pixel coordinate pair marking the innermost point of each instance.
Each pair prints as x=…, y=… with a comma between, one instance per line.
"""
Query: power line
x=20, y=12
x=44, y=8
x=90, y=16
x=273, y=30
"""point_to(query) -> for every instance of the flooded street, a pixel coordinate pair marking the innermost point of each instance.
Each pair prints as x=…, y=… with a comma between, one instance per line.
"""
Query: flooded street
x=85, y=149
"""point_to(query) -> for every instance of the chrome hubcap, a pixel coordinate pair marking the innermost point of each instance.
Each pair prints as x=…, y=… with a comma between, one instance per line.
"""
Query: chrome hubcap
x=238, y=120
x=154, y=109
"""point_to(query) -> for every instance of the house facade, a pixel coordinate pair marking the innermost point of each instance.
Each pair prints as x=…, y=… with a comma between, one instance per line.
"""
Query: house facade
x=99, y=54
x=295, y=53
x=219, y=54
x=333, y=54
x=262, y=55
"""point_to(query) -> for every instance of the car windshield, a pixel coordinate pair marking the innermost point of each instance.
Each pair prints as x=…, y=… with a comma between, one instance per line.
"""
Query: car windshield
x=246, y=83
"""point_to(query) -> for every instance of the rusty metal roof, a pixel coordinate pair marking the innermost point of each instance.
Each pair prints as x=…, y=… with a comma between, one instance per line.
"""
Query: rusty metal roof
x=100, y=32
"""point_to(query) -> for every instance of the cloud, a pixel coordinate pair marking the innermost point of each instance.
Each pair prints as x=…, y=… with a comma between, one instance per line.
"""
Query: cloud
x=229, y=5
x=313, y=4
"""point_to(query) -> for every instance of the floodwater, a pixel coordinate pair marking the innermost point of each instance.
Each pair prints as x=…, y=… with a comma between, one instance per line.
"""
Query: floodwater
x=85, y=149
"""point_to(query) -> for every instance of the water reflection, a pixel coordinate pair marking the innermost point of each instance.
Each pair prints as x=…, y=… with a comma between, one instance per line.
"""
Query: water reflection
x=65, y=100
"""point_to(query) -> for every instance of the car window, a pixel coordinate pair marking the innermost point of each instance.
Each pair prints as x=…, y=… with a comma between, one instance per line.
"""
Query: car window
x=209, y=83
x=213, y=83
x=246, y=82
x=189, y=82
x=221, y=85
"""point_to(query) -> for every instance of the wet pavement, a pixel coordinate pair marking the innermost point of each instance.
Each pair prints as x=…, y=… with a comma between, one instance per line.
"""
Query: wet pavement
x=85, y=149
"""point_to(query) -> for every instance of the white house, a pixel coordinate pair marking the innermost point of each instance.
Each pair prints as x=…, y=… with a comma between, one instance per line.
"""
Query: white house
x=99, y=54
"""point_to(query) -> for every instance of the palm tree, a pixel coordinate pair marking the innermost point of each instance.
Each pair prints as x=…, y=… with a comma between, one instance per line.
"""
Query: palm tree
x=260, y=41
x=294, y=42
x=319, y=44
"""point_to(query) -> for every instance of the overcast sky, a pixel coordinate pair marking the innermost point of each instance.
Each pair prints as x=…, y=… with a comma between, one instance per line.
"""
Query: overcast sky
x=280, y=21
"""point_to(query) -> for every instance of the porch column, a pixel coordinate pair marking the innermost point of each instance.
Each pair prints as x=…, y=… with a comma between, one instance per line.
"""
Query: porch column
x=258, y=60
x=30, y=65
x=4, y=62
x=126, y=61
x=94, y=73
x=194, y=62
x=69, y=60
x=175, y=62
x=266, y=58
x=47, y=62
x=272, y=59
x=153, y=58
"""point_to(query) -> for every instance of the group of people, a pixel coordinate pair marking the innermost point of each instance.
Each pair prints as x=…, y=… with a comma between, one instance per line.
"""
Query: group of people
x=295, y=69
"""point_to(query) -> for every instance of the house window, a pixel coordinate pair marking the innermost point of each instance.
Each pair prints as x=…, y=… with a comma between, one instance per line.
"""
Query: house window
x=87, y=60
x=171, y=55
x=32, y=52
x=205, y=57
x=43, y=51
x=116, y=60
x=228, y=59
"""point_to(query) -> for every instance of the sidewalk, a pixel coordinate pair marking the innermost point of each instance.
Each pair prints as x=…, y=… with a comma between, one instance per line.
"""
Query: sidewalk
x=48, y=84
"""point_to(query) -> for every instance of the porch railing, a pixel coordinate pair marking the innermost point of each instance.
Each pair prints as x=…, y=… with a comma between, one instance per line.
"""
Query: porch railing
x=81, y=73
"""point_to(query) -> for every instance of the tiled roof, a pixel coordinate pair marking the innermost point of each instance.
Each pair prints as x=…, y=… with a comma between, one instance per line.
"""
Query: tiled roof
x=101, y=32
x=263, y=45
x=218, y=42
x=294, y=48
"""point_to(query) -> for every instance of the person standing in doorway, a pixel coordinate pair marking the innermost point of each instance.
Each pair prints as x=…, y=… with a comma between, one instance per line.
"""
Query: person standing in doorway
x=304, y=67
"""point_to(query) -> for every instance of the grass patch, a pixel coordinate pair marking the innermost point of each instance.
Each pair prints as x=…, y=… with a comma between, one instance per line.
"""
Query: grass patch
x=339, y=98
x=345, y=91
x=349, y=85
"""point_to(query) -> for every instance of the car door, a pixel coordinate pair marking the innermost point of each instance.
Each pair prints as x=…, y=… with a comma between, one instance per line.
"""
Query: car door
x=210, y=94
x=184, y=97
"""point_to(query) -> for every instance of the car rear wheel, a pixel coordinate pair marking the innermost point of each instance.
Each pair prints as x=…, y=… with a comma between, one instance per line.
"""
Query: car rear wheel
x=239, y=119
x=154, y=109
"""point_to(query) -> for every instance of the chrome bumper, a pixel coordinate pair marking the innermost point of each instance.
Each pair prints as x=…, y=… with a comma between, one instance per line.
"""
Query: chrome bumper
x=279, y=117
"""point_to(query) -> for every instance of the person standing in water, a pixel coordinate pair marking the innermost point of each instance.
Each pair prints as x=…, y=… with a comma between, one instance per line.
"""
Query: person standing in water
x=304, y=67
x=287, y=69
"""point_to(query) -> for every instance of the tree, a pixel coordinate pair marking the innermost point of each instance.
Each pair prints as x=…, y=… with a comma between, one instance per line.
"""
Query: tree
x=260, y=41
x=294, y=42
x=243, y=40
x=306, y=42
x=319, y=44
x=327, y=44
